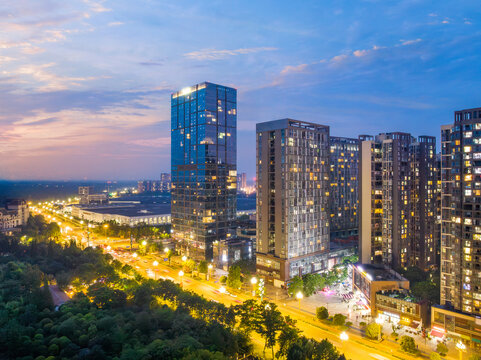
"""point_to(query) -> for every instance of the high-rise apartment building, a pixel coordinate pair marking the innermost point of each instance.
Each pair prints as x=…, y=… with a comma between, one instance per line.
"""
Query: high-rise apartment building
x=461, y=212
x=292, y=199
x=397, y=191
x=203, y=162
x=460, y=312
x=343, y=192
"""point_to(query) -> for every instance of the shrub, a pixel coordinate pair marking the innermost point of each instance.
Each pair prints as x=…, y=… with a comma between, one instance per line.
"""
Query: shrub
x=322, y=313
x=435, y=356
x=362, y=324
x=339, y=319
x=372, y=331
x=408, y=345
x=442, y=349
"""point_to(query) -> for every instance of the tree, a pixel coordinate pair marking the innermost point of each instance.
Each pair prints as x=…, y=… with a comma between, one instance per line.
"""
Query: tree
x=408, y=345
x=339, y=319
x=288, y=336
x=234, y=277
x=203, y=267
x=426, y=290
x=295, y=285
x=326, y=351
x=322, y=313
x=414, y=274
x=434, y=356
x=312, y=283
x=372, y=331
x=442, y=349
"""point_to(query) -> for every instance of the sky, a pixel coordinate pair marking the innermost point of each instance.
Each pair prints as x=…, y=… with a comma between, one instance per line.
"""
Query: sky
x=85, y=84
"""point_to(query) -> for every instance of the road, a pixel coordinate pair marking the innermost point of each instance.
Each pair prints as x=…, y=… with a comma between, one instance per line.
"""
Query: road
x=356, y=347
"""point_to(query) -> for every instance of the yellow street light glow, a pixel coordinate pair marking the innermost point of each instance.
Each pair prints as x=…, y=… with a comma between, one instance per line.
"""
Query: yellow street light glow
x=166, y=250
x=184, y=258
x=108, y=247
x=144, y=242
x=106, y=226
x=181, y=273
x=460, y=346
x=254, y=280
x=379, y=320
x=222, y=290
x=210, y=266
x=299, y=295
x=155, y=263
x=81, y=222
x=135, y=255
x=344, y=336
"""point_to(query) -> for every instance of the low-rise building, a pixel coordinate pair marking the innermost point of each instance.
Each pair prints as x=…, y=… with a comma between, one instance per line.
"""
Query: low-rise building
x=446, y=321
x=368, y=279
x=401, y=307
x=14, y=214
x=126, y=214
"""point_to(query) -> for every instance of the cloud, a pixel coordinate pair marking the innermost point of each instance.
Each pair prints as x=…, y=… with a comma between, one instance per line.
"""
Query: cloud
x=46, y=81
x=211, y=54
x=410, y=42
x=151, y=63
x=97, y=6
x=339, y=58
x=289, y=69
x=115, y=23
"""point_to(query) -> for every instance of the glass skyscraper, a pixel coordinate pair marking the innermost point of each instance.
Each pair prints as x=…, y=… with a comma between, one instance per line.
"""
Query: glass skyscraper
x=203, y=162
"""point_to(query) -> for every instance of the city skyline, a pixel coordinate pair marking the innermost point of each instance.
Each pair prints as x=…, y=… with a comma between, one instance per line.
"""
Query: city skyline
x=85, y=93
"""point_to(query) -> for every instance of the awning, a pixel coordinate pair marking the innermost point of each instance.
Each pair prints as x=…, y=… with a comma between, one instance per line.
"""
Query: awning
x=436, y=333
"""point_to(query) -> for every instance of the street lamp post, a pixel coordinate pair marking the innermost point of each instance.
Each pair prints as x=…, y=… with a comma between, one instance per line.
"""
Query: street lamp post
x=106, y=226
x=209, y=269
x=254, y=282
x=461, y=347
x=181, y=273
x=379, y=322
x=155, y=263
x=299, y=297
x=344, y=337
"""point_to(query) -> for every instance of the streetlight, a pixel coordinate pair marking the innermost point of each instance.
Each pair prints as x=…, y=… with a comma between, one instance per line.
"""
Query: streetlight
x=209, y=267
x=379, y=322
x=343, y=336
x=106, y=226
x=222, y=290
x=155, y=263
x=254, y=282
x=299, y=297
x=461, y=347
x=144, y=243
x=135, y=255
x=181, y=273
x=184, y=258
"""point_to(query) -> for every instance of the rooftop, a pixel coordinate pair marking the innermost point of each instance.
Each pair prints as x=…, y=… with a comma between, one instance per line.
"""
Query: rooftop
x=399, y=294
x=132, y=210
x=376, y=272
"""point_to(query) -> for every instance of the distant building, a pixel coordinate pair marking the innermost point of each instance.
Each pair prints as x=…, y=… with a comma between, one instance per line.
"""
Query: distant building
x=204, y=175
x=242, y=181
x=88, y=197
x=397, y=192
x=292, y=199
x=165, y=181
x=15, y=214
x=343, y=189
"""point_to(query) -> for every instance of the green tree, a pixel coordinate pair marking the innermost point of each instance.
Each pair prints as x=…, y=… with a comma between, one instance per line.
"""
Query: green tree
x=426, y=290
x=312, y=283
x=372, y=331
x=288, y=335
x=408, y=345
x=295, y=285
x=339, y=319
x=326, y=351
x=203, y=267
x=322, y=313
x=434, y=356
x=234, y=277
x=442, y=349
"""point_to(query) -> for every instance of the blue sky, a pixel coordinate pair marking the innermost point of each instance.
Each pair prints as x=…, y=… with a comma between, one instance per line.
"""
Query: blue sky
x=85, y=85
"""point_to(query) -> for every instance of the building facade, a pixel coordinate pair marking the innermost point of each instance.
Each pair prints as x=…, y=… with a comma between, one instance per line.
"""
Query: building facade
x=292, y=199
x=461, y=213
x=203, y=162
x=398, y=192
x=343, y=192
x=15, y=214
